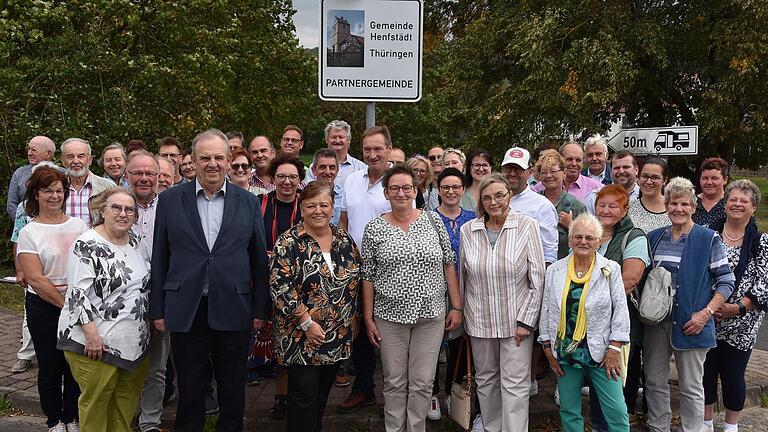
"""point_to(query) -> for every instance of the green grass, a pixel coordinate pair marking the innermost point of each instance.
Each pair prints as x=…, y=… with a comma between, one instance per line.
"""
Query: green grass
x=764, y=400
x=6, y=407
x=11, y=296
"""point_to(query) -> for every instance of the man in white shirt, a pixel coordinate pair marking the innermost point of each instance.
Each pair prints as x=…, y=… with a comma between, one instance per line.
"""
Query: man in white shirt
x=624, y=172
x=338, y=137
x=596, y=152
x=516, y=169
x=362, y=199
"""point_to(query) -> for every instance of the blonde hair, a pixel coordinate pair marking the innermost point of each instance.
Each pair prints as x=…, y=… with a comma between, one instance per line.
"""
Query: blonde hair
x=549, y=157
x=430, y=174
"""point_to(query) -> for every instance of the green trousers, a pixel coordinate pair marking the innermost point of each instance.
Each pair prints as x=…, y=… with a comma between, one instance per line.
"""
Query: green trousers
x=609, y=393
x=108, y=395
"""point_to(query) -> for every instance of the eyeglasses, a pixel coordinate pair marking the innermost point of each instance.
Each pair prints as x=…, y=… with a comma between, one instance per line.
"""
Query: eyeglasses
x=654, y=179
x=241, y=166
x=434, y=158
x=511, y=168
x=117, y=209
x=51, y=192
x=448, y=188
x=169, y=155
x=419, y=171
x=147, y=174
x=549, y=173
x=291, y=140
x=394, y=189
x=481, y=166
x=487, y=199
x=579, y=238
x=281, y=178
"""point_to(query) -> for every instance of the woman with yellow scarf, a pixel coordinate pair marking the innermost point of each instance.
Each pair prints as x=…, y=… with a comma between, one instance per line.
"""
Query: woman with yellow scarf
x=584, y=323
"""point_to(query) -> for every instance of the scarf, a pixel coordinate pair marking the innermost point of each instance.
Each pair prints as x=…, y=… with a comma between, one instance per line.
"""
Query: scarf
x=749, y=245
x=581, y=317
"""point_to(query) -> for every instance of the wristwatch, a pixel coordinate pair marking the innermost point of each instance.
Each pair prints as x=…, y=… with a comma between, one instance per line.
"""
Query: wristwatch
x=305, y=325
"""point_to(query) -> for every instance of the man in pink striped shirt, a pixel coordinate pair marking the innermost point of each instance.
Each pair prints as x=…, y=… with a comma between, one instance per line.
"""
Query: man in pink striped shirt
x=76, y=157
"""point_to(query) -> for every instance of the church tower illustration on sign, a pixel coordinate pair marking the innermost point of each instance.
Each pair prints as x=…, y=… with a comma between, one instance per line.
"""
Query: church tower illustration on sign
x=346, y=49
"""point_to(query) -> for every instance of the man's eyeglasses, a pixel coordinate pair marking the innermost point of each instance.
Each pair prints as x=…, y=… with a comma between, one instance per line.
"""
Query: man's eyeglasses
x=242, y=166
x=147, y=174
x=394, y=189
x=169, y=155
x=117, y=209
x=281, y=178
x=434, y=158
x=291, y=140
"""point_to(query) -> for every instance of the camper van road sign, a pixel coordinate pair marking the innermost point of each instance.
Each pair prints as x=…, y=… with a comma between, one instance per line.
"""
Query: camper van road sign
x=676, y=140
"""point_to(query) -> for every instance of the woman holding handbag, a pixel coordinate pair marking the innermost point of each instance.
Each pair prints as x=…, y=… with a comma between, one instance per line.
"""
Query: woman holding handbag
x=407, y=264
x=701, y=282
x=501, y=273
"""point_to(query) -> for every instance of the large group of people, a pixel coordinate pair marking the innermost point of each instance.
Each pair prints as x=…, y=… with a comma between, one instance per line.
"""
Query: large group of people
x=193, y=273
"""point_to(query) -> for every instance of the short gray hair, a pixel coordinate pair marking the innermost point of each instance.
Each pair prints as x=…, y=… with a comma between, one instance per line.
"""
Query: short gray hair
x=71, y=140
x=484, y=183
x=211, y=133
x=113, y=146
x=678, y=187
x=339, y=125
x=142, y=153
x=455, y=151
x=745, y=186
x=589, y=221
x=325, y=153
x=596, y=140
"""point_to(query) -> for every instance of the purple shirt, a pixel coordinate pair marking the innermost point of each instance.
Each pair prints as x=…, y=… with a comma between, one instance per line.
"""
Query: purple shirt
x=580, y=188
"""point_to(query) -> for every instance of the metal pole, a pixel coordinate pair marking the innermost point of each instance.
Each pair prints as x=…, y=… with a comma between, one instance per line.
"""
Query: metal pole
x=370, y=114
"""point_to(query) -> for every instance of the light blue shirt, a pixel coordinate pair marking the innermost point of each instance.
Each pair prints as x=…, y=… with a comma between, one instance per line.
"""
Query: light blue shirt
x=346, y=168
x=211, y=214
x=336, y=204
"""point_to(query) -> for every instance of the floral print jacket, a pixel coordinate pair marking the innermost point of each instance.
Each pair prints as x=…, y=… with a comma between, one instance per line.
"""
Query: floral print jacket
x=301, y=281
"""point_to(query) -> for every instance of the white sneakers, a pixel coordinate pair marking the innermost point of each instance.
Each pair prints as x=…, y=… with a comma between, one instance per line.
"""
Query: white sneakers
x=557, y=396
x=477, y=425
x=433, y=413
x=534, y=388
x=585, y=391
x=73, y=427
x=69, y=427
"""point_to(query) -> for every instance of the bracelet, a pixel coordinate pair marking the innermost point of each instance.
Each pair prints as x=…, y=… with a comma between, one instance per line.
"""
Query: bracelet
x=461, y=309
x=614, y=347
x=709, y=309
x=305, y=325
x=742, y=308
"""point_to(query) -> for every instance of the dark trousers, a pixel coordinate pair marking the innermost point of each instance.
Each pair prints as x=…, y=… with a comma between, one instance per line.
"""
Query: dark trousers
x=364, y=359
x=57, y=404
x=308, y=388
x=729, y=364
x=453, y=357
x=229, y=352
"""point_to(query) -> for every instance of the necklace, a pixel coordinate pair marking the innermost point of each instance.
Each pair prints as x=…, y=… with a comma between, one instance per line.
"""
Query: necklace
x=580, y=274
x=731, y=238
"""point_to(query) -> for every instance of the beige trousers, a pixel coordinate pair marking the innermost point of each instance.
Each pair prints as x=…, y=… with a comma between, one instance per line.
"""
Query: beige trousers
x=408, y=358
x=503, y=374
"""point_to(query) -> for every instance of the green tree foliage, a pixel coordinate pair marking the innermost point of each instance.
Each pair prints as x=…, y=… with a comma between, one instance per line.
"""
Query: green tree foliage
x=520, y=72
x=110, y=70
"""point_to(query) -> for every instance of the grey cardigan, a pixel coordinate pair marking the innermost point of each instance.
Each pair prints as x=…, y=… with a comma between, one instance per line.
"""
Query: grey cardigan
x=607, y=313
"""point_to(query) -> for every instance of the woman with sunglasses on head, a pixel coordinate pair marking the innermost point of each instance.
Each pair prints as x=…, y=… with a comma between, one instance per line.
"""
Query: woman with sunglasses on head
x=649, y=212
x=240, y=171
x=479, y=165
x=407, y=265
x=42, y=253
x=104, y=326
x=424, y=176
x=281, y=209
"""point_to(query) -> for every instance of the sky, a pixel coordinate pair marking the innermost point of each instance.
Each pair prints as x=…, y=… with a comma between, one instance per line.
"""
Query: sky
x=306, y=22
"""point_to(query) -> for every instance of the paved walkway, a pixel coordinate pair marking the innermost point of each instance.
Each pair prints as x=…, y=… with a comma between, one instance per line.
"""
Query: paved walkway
x=22, y=391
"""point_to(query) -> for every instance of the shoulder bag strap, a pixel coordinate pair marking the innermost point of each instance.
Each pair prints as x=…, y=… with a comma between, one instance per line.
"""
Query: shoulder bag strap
x=462, y=346
x=469, y=362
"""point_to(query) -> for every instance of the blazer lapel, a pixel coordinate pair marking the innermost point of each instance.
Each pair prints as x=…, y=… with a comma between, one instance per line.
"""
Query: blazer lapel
x=189, y=200
x=231, y=203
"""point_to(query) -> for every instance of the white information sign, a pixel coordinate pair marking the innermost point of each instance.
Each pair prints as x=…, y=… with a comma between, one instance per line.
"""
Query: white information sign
x=370, y=50
x=674, y=140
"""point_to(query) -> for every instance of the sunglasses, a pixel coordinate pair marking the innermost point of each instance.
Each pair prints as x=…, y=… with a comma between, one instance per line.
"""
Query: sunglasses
x=435, y=157
x=238, y=167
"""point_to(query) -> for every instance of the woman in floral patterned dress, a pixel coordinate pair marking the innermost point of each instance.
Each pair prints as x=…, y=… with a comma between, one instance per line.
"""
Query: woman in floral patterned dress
x=314, y=282
x=103, y=327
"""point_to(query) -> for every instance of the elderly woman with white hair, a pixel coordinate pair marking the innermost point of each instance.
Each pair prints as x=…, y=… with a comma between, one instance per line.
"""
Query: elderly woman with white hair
x=701, y=282
x=584, y=323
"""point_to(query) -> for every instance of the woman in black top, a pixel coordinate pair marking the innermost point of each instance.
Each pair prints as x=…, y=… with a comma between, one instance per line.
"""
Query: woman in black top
x=280, y=210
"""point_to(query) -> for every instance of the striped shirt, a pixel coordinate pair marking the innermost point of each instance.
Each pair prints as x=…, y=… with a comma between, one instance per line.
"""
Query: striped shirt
x=669, y=252
x=502, y=285
x=77, y=203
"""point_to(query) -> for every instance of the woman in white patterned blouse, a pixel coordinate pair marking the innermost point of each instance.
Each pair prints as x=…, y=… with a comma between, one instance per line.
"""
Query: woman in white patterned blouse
x=501, y=272
x=407, y=264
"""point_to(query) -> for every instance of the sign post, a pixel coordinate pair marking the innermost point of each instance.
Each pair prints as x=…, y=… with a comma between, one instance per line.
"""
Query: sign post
x=665, y=141
x=370, y=50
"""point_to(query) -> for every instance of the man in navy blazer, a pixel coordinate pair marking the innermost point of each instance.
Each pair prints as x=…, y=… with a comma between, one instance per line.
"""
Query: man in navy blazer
x=209, y=283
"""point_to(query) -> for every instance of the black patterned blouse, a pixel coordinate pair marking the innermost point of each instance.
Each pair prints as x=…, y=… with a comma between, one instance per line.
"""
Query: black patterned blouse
x=706, y=218
x=737, y=331
x=301, y=281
